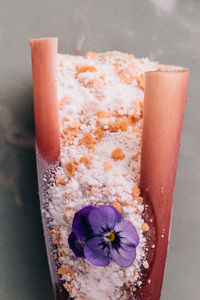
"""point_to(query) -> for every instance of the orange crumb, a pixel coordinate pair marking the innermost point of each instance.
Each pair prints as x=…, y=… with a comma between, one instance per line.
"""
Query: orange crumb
x=51, y=232
x=76, y=162
x=118, y=124
x=108, y=190
x=102, y=77
x=131, y=56
x=134, y=118
x=135, y=191
x=83, y=69
x=70, y=168
x=55, y=235
x=51, y=182
x=137, y=180
x=99, y=133
x=89, y=83
x=136, y=210
x=118, y=154
x=86, y=160
x=72, y=216
x=140, y=81
x=134, y=272
x=107, y=165
x=87, y=140
x=125, y=75
x=117, y=205
x=102, y=114
x=133, y=169
x=134, y=289
x=135, y=156
x=68, y=288
x=62, y=253
x=64, y=271
x=74, y=125
x=145, y=227
x=64, y=217
x=114, y=126
x=124, y=125
x=141, y=107
x=128, y=204
x=139, y=199
x=90, y=54
x=133, y=66
x=135, y=129
x=61, y=181
x=68, y=135
x=64, y=101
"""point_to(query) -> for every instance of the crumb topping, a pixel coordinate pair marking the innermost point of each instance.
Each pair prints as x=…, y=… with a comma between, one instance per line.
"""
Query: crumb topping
x=118, y=154
x=100, y=101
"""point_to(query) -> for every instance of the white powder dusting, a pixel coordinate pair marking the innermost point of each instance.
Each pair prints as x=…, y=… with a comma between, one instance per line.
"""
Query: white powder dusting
x=100, y=109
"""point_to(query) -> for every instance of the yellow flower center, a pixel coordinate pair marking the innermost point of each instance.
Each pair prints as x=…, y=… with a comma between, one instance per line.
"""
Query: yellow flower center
x=110, y=237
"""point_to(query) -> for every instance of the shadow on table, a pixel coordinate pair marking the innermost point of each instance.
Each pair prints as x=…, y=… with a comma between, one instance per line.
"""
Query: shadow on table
x=23, y=258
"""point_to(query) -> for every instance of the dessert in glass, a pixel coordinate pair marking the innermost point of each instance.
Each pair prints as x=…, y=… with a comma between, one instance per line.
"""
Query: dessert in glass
x=108, y=128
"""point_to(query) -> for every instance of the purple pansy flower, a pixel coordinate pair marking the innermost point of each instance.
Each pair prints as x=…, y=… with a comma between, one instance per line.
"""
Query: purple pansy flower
x=100, y=235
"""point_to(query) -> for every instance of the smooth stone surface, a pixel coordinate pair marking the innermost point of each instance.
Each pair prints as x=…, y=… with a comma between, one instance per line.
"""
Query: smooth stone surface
x=167, y=31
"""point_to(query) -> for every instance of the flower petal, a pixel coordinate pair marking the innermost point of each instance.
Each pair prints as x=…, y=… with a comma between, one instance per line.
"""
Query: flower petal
x=80, y=225
x=76, y=245
x=127, y=233
x=104, y=218
x=96, y=253
x=124, y=256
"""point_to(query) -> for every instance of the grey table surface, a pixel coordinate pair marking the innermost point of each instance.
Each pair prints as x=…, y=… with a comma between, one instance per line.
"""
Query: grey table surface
x=164, y=30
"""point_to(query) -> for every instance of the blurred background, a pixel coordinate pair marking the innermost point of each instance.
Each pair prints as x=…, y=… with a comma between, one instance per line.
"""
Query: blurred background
x=164, y=30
